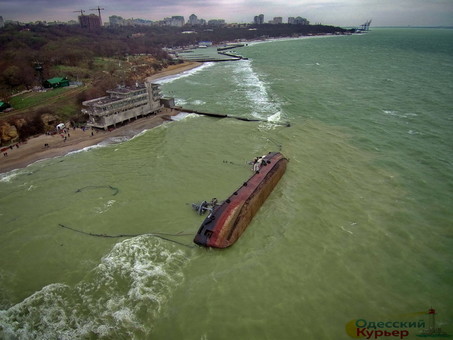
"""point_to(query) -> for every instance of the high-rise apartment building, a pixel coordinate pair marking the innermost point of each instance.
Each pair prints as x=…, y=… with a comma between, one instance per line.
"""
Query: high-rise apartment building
x=92, y=21
x=177, y=21
x=258, y=19
x=193, y=20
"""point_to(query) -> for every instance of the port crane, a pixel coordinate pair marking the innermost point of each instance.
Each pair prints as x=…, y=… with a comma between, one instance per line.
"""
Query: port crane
x=366, y=25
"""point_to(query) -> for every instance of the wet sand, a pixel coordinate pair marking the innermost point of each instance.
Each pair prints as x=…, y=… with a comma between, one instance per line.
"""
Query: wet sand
x=175, y=69
x=76, y=139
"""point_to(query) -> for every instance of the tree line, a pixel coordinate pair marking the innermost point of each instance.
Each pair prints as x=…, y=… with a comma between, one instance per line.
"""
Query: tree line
x=22, y=47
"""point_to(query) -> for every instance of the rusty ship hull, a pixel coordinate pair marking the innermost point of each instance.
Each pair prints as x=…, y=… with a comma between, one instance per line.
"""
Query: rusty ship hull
x=227, y=221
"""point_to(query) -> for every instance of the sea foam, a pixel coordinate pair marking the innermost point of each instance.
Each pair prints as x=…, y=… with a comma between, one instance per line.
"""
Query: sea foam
x=169, y=79
x=126, y=291
x=8, y=176
x=184, y=115
x=262, y=104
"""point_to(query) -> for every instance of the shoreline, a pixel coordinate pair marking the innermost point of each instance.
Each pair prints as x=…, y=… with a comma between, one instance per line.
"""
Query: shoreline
x=174, y=70
x=34, y=148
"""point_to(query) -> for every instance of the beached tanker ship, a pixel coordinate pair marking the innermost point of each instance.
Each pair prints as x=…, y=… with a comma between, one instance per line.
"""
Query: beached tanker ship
x=227, y=221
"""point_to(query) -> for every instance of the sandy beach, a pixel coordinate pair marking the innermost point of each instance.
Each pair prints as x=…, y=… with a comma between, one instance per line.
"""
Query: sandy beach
x=175, y=69
x=49, y=146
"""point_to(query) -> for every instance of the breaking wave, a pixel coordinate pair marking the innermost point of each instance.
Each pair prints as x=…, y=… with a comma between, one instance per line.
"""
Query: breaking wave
x=255, y=90
x=169, y=79
x=184, y=115
x=120, y=298
x=8, y=176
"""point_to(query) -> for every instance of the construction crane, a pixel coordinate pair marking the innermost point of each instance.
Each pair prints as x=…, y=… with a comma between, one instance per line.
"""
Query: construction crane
x=81, y=12
x=99, y=9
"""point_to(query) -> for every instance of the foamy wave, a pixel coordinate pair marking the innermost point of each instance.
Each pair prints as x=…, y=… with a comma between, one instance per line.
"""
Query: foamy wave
x=270, y=124
x=88, y=148
x=183, y=115
x=183, y=102
x=109, y=141
x=120, y=298
x=136, y=135
x=119, y=139
x=262, y=104
x=8, y=176
x=169, y=79
x=399, y=114
x=105, y=207
x=198, y=102
x=412, y=132
x=180, y=102
x=275, y=117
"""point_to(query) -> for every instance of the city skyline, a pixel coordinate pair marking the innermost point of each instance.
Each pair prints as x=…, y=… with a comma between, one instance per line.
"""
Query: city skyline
x=328, y=12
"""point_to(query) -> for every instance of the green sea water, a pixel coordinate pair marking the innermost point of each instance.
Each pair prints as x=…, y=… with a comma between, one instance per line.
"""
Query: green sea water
x=359, y=227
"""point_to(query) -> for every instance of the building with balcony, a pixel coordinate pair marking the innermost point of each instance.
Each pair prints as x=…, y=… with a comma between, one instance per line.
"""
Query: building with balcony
x=123, y=104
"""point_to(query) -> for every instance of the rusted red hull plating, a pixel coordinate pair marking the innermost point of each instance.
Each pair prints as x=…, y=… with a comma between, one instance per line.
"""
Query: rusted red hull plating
x=229, y=220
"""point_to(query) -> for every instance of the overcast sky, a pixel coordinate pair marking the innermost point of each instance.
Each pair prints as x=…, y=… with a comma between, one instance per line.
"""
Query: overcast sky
x=329, y=12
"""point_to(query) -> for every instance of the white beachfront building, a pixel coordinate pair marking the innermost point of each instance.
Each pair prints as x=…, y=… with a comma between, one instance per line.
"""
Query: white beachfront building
x=123, y=104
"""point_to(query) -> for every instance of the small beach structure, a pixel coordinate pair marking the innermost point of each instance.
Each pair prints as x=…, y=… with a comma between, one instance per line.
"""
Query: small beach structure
x=56, y=82
x=123, y=104
x=227, y=221
x=4, y=106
